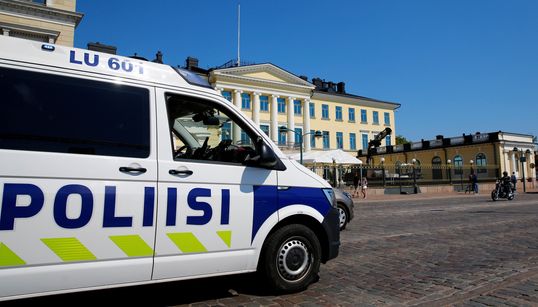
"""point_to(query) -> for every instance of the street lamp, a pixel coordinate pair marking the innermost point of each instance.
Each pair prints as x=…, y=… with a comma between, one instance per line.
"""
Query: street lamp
x=471, y=177
x=523, y=159
x=415, y=189
x=317, y=134
x=382, y=159
x=449, y=173
x=471, y=162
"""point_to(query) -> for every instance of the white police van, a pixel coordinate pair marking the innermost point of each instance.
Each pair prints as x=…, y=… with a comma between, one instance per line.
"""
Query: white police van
x=117, y=172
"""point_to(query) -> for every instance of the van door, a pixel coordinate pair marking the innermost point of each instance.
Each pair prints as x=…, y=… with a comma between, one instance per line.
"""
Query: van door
x=77, y=181
x=207, y=217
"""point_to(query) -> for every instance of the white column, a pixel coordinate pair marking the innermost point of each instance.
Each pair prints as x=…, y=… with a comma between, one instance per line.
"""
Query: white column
x=514, y=163
x=219, y=90
x=236, y=131
x=274, y=119
x=291, y=123
x=306, y=124
x=256, y=109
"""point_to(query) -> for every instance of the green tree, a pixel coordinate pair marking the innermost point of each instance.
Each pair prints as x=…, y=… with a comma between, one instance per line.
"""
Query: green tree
x=401, y=140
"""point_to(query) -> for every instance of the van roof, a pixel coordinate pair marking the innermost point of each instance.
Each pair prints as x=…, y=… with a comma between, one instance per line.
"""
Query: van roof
x=32, y=52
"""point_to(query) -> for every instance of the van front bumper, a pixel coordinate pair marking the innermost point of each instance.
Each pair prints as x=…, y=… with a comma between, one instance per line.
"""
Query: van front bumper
x=331, y=224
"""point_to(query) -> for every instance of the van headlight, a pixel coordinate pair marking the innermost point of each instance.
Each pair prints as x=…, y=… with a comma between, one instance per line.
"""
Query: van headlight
x=331, y=197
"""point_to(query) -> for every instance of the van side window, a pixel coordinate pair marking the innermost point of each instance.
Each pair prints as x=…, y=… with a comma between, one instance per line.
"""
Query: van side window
x=203, y=131
x=45, y=112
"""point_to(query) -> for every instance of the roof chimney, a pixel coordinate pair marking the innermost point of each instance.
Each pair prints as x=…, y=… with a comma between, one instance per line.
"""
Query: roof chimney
x=191, y=62
x=318, y=83
x=97, y=46
x=158, y=57
x=341, y=87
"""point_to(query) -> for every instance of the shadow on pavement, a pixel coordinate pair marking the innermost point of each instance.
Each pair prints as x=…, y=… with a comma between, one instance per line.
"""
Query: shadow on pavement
x=161, y=294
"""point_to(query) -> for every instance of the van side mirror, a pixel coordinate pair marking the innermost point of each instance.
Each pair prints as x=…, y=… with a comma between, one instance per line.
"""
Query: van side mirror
x=265, y=157
x=268, y=158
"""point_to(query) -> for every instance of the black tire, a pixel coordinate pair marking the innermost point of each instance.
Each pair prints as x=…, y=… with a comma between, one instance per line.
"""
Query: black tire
x=290, y=259
x=511, y=197
x=344, y=216
x=494, y=195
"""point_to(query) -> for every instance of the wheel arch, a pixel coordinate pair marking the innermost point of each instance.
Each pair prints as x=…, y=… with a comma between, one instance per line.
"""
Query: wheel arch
x=308, y=221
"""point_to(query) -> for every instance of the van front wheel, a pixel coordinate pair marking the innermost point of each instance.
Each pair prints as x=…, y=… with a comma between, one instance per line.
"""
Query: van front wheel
x=291, y=258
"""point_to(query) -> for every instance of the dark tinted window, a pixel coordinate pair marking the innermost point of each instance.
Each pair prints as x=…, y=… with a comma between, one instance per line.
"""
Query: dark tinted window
x=43, y=112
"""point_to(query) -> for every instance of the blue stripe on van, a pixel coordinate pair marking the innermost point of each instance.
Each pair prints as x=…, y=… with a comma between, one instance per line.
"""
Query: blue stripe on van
x=265, y=202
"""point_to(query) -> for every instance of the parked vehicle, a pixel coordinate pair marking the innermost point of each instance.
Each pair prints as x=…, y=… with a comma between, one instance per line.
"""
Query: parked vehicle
x=502, y=191
x=116, y=171
x=345, y=205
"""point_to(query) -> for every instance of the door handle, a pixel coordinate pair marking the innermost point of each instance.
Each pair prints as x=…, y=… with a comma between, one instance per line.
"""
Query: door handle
x=126, y=169
x=182, y=172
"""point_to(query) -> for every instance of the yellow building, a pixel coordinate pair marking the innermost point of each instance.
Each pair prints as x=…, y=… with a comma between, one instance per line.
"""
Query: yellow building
x=50, y=21
x=275, y=98
x=453, y=159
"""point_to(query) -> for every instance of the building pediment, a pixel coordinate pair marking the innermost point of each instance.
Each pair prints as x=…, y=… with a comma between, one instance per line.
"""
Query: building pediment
x=267, y=74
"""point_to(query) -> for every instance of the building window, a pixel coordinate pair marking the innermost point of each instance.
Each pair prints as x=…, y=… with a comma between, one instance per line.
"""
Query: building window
x=312, y=138
x=458, y=165
x=44, y=2
x=338, y=111
x=298, y=136
x=245, y=139
x=364, y=141
x=297, y=107
x=387, y=140
x=326, y=140
x=312, y=107
x=387, y=118
x=281, y=104
x=352, y=115
x=265, y=129
x=364, y=118
x=352, y=141
x=245, y=101
x=282, y=137
x=264, y=103
x=481, y=163
x=375, y=116
x=418, y=168
x=227, y=95
x=339, y=140
x=226, y=131
x=324, y=111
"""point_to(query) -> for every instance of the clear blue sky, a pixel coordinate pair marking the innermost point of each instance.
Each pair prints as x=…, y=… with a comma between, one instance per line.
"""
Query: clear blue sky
x=455, y=66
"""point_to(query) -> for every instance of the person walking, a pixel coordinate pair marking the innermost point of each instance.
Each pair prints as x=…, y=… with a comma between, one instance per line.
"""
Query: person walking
x=475, y=182
x=364, y=186
x=513, y=179
x=356, y=185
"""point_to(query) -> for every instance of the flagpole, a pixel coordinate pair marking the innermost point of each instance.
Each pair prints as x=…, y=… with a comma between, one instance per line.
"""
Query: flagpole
x=238, y=34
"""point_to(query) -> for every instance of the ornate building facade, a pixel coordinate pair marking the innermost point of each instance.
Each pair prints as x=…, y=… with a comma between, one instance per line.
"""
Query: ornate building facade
x=50, y=21
x=294, y=112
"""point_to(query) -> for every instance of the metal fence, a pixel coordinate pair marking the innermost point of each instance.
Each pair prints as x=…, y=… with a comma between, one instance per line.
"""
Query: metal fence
x=405, y=175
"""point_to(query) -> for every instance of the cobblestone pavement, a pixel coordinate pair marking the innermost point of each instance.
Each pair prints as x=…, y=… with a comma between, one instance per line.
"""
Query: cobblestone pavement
x=462, y=250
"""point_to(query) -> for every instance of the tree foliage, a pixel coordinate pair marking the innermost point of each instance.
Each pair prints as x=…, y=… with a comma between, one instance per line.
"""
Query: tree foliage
x=401, y=140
